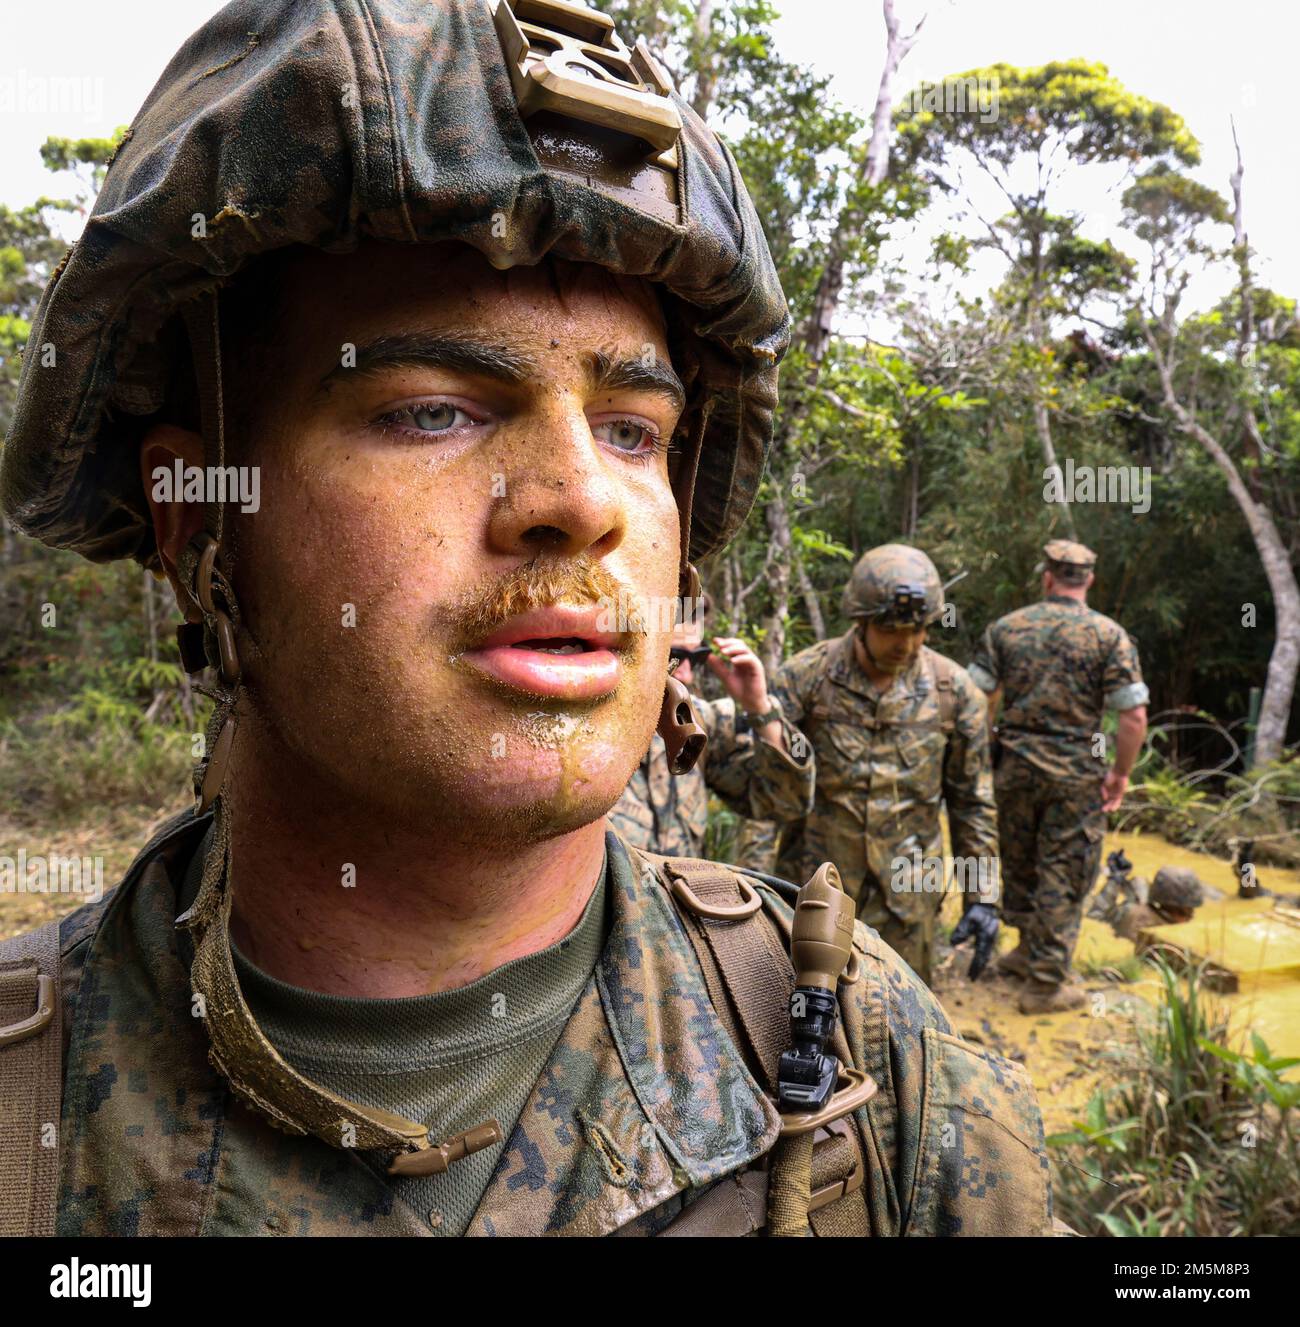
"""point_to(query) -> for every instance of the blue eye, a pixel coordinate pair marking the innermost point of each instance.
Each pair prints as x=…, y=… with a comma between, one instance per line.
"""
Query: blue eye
x=433, y=418
x=626, y=434
x=427, y=418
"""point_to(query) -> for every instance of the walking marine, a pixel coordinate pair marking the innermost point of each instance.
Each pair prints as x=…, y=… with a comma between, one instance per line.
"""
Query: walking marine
x=1055, y=666
x=896, y=728
x=395, y=973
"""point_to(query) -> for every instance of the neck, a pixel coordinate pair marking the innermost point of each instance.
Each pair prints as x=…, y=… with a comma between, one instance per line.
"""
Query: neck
x=879, y=678
x=426, y=911
x=1075, y=592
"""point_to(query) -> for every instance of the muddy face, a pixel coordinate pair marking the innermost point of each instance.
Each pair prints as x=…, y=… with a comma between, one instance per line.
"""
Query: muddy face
x=462, y=470
x=893, y=648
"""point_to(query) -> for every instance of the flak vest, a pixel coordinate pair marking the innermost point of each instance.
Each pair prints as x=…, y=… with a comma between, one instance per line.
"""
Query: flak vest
x=832, y=1183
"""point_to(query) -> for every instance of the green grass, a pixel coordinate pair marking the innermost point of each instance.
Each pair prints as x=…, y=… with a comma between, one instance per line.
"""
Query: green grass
x=1128, y=969
x=1188, y=1135
x=99, y=751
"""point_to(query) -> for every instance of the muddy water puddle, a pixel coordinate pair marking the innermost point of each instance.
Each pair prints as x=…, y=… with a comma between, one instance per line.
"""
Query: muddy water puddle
x=1066, y=1053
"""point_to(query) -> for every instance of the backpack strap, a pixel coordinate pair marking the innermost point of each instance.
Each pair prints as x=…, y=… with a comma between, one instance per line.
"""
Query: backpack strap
x=31, y=1081
x=814, y=1179
x=943, y=671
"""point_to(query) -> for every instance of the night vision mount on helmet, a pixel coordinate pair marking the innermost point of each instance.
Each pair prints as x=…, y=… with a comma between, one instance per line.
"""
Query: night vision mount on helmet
x=894, y=585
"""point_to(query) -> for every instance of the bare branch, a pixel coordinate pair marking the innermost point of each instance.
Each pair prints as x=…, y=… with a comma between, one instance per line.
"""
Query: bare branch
x=896, y=49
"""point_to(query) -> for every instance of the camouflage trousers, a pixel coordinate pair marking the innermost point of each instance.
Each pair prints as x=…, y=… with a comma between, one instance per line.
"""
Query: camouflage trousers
x=1050, y=836
x=756, y=844
x=912, y=940
x=757, y=847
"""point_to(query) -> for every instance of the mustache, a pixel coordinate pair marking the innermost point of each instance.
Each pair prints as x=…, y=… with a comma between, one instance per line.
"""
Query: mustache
x=540, y=584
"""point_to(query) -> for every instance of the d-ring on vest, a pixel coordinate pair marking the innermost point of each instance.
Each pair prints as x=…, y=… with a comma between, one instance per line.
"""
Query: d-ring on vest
x=816, y=1175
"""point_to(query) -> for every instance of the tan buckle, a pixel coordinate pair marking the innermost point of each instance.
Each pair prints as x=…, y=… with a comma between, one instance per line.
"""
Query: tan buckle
x=851, y=1183
x=434, y=1160
x=854, y=1089
x=216, y=616
x=567, y=58
x=29, y=1027
x=718, y=912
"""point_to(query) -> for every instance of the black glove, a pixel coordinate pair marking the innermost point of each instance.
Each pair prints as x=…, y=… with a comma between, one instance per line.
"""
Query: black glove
x=980, y=921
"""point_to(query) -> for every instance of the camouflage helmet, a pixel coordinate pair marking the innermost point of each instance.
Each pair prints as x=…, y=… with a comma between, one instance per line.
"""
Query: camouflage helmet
x=896, y=584
x=1176, y=887
x=523, y=128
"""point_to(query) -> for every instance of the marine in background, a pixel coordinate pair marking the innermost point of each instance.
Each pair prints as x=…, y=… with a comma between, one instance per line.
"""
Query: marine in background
x=897, y=729
x=756, y=761
x=1173, y=897
x=1055, y=667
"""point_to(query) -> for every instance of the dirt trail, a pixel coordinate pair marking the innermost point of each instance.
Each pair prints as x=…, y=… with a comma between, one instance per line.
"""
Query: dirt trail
x=113, y=838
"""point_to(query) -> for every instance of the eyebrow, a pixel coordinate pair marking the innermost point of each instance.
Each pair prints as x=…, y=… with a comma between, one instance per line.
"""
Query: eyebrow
x=610, y=374
x=501, y=363
x=434, y=350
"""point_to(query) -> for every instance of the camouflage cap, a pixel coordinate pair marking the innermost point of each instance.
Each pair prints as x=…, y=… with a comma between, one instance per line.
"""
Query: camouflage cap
x=326, y=121
x=1068, y=553
x=894, y=583
x=1176, y=887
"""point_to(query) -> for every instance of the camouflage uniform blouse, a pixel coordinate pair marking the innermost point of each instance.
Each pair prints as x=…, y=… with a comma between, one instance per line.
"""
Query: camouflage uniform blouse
x=670, y=814
x=884, y=763
x=644, y=1105
x=1059, y=664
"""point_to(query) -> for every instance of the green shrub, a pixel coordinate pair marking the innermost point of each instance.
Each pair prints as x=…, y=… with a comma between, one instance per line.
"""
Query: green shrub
x=1187, y=1136
x=123, y=739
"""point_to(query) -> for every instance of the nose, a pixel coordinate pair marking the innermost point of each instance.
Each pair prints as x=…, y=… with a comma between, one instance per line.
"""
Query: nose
x=558, y=493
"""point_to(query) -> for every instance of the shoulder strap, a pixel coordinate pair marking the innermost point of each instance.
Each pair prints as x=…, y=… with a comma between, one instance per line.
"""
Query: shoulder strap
x=743, y=953
x=944, y=670
x=31, y=1081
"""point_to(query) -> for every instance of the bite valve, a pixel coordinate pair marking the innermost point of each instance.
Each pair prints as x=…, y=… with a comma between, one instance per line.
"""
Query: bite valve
x=821, y=943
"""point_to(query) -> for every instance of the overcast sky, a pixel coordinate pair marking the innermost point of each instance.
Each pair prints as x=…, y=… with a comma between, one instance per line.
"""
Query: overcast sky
x=1208, y=61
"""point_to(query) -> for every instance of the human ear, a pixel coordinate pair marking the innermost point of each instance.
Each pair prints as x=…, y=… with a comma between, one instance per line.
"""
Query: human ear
x=175, y=522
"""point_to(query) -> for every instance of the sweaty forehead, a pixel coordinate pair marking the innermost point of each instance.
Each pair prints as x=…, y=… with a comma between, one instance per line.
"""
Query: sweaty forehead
x=382, y=287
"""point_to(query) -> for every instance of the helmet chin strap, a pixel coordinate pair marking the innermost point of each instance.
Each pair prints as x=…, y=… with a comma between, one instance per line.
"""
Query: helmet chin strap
x=212, y=613
x=683, y=737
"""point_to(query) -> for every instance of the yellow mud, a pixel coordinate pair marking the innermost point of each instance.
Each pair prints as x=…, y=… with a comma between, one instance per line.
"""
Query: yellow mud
x=1066, y=1053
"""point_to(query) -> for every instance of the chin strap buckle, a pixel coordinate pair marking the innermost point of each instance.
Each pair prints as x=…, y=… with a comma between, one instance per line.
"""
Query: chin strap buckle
x=434, y=1160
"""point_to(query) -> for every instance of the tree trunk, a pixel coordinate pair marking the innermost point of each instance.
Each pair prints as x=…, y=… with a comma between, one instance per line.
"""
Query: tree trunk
x=911, y=500
x=1284, y=661
x=778, y=525
x=875, y=168
x=705, y=78
x=1252, y=443
x=817, y=329
x=812, y=605
x=1042, y=418
x=150, y=617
